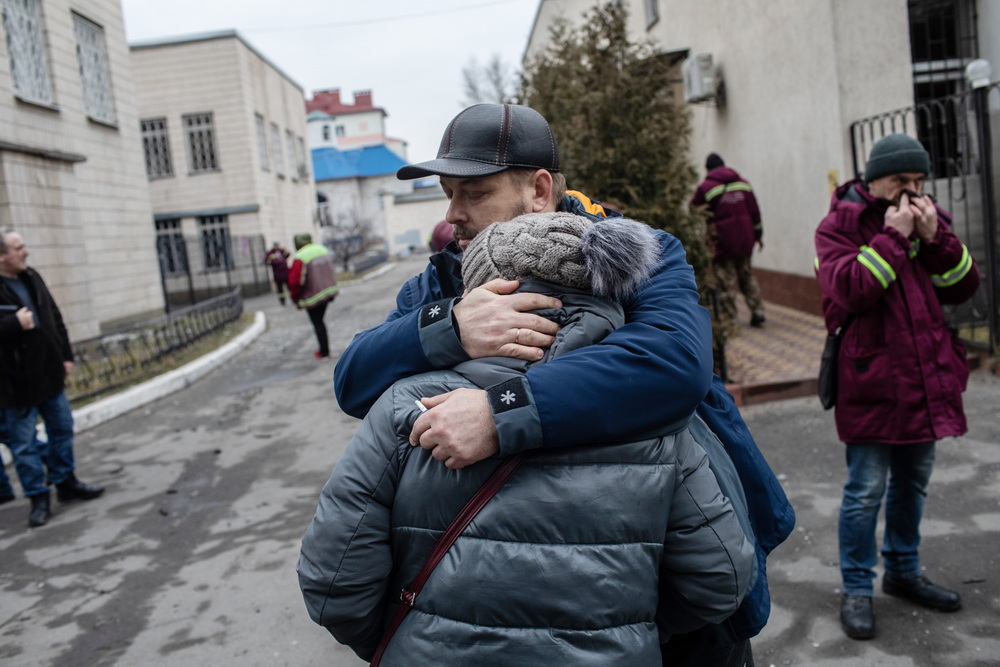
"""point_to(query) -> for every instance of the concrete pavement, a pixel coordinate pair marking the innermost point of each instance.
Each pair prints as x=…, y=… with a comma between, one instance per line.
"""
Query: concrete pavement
x=189, y=557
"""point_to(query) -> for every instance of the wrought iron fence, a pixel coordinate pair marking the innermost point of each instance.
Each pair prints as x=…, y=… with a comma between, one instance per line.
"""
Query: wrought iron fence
x=957, y=132
x=195, y=268
x=113, y=360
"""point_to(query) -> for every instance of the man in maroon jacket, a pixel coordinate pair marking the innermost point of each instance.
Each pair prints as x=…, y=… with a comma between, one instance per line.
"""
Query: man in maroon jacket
x=734, y=227
x=886, y=261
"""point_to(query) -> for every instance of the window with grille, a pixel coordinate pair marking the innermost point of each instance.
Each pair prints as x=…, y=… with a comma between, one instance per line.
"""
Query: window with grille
x=339, y=130
x=293, y=169
x=200, y=136
x=29, y=69
x=156, y=146
x=170, y=247
x=652, y=12
x=326, y=133
x=303, y=166
x=95, y=74
x=262, y=143
x=279, y=156
x=215, y=244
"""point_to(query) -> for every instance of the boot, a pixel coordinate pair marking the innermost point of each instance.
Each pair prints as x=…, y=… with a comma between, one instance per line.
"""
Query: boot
x=41, y=509
x=857, y=617
x=73, y=489
x=923, y=592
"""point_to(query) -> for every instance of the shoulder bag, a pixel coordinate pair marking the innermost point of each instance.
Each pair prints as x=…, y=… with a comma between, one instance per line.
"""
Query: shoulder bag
x=826, y=387
x=408, y=596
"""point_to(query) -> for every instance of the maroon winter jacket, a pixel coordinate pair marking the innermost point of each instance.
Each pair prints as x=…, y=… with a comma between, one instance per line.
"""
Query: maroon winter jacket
x=901, y=373
x=734, y=211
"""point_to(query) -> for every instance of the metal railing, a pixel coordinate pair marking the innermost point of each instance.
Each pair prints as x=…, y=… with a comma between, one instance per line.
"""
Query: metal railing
x=114, y=360
x=957, y=132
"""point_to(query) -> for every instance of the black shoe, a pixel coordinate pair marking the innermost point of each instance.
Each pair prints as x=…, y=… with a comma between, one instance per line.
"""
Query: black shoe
x=73, y=489
x=857, y=617
x=757, y=320
x=923, y=592
x=41, y=509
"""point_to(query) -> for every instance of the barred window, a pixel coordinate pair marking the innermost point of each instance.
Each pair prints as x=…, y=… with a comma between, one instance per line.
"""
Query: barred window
x=156, y=146
x=200, y=143
x=303, y=165
x=262, y=142
x=92, y=53
x=170, y=247
x=29, y=69
x=279, y=156
x=215, y=243
x=293, y=169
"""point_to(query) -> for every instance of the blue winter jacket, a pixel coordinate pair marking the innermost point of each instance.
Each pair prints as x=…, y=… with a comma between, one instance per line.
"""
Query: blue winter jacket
x=654, y=370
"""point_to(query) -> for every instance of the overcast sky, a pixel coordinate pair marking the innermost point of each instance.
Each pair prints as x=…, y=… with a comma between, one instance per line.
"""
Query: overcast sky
x=409, y=54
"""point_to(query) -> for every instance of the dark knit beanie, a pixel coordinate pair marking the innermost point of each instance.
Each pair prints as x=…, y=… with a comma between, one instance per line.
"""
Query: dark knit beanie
x=713, y=160
x=609, y=258
x=896, y=154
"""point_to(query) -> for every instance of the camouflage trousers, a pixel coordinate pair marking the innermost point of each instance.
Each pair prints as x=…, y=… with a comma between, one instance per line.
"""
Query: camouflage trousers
x=737, y=270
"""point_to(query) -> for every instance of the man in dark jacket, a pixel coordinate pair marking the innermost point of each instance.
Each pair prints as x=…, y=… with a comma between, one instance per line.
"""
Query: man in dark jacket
x=497, y=162
x=886, y=261
x=734, y=227
x=36, y=358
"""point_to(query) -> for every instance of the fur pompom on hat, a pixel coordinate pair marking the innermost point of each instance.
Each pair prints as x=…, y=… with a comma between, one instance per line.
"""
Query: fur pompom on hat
x=611, y=258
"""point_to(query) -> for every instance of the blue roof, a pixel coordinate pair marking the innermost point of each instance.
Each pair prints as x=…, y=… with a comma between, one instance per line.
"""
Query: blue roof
x=331, y=163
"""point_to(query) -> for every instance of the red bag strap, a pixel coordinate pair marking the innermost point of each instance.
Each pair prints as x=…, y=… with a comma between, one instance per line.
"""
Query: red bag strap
x=408, y=596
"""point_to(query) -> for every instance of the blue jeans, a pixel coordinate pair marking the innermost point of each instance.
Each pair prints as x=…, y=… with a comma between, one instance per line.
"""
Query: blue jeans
x=909, y=468
x=32, y=458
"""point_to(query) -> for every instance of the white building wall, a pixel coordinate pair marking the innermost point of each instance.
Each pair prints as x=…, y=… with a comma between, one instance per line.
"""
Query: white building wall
x=410, y=218
x=86, y=223
x=797, y=73
x=361, y=128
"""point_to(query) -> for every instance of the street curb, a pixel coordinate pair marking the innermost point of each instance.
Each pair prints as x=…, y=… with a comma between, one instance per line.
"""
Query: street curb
x=114, y=406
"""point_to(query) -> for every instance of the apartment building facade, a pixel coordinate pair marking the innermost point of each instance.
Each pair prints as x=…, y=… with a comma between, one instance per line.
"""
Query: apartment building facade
x=71, y=174
x=224, y=140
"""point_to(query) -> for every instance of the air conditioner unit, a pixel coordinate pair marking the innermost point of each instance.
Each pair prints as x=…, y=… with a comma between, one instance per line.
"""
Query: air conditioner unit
x=699, y=78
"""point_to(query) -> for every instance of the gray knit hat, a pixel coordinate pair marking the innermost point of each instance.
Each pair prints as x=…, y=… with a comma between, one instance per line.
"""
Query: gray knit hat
x=896, y=154
x=611, y=258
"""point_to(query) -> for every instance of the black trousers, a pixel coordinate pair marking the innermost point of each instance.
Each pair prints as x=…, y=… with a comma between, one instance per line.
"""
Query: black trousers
x=316, y=314
x=712, y=646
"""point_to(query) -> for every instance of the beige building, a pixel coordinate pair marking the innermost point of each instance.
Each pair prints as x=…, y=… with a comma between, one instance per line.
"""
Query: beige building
x=71, y=175
x=775, y=86
x=223, y=132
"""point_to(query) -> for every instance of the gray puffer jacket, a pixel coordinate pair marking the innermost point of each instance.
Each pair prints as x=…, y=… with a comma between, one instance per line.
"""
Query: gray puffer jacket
x=575, y=561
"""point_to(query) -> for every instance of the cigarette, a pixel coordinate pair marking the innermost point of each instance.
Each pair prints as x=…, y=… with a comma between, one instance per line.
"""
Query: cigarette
x=421, y=406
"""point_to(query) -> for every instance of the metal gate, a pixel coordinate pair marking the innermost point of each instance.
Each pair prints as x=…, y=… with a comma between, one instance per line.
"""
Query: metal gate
x=957, y=131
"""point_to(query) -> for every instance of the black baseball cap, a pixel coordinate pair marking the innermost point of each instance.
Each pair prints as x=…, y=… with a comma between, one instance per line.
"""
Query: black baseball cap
x=489, y=138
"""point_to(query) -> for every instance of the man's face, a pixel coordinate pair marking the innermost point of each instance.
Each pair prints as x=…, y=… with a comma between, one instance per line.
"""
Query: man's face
x=15, y=260
x=891, y=187
x=476, y=203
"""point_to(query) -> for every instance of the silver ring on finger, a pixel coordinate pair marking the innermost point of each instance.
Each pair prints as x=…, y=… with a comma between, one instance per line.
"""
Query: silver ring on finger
x=517, y=335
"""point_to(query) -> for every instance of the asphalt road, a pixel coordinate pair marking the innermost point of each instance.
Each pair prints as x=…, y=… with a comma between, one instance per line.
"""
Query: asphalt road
x=189, y=557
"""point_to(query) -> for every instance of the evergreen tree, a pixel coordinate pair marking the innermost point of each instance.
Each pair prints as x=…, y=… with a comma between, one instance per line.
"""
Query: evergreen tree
x=623, y=135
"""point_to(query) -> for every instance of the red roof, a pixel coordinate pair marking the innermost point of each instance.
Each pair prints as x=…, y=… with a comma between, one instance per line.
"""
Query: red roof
x=328, y=101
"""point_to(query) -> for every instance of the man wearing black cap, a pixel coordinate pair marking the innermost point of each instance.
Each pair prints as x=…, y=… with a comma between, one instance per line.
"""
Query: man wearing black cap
x=496, y=162
x=886, y=262
x=734, y=226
